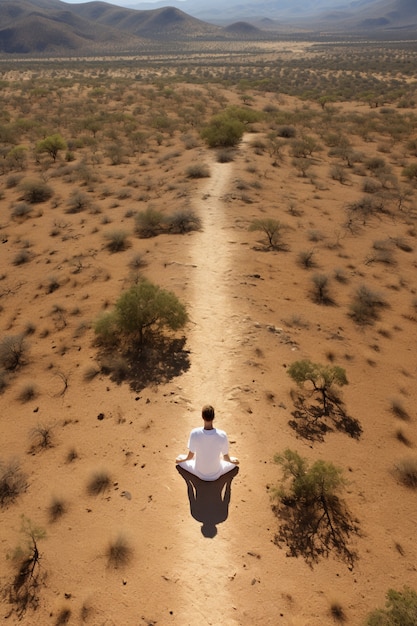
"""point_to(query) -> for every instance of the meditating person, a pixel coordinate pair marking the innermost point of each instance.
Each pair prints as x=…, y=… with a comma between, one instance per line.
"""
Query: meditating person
x=208, y=450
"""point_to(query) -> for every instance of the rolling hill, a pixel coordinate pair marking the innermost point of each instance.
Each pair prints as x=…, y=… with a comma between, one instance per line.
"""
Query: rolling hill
x=55, y=27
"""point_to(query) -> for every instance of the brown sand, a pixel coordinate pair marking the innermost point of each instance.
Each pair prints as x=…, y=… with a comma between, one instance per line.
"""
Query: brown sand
x=250, y=316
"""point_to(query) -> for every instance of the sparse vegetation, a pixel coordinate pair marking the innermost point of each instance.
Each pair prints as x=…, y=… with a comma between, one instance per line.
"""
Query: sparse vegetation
x=141, y=311
x=98, y=483
x=323, y=379
x=119, y=552
x=314, y=520
x=400, y=609
x=13, y=481
x=272, y=229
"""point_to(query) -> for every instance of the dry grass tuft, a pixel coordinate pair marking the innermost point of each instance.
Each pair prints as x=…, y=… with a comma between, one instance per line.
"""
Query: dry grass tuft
x=99, y=482
x=119, y=552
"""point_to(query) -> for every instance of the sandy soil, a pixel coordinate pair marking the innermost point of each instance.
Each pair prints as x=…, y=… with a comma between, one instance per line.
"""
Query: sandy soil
x=250, y=317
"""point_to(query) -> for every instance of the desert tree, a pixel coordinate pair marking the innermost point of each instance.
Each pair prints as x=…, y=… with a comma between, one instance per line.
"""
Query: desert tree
x=23, y=592
x=321, y=378
x=272, y=229
x=51, y=145
x=315, y=521
x=141, y=311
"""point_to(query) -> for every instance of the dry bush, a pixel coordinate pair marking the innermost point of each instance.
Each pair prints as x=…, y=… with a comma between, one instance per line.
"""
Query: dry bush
x=137, y=261
x=305, y=259
x=56, y=509
x=183, y=221
x=402, y=437
x=116, y=240
x=72, y=454
x=398, y=410
x=320, y=292
x=13, y=481
x=22, y=257
x=21, y=211
x=366, y=305
x=337, y=612
x=119, y=552
x=406, y=471
x=99, y=482
x=28, y=392
x=35, y=191
x=63, y=616
x=198, y=170
x=13, y=351
x=42, y=437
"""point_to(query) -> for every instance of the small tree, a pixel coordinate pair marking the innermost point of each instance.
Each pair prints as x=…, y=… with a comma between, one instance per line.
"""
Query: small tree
x=322, y=377
x=140, y=311
x=223, y=131
x=23, y=592
x=271, y=228
x=401, y=609
x=51, y=145
x=315, y=519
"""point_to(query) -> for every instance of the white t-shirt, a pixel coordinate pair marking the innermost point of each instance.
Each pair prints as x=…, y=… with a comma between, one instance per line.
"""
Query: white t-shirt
x=208, y=447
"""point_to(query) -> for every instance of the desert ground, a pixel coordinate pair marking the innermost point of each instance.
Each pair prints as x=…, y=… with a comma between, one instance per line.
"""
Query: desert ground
x=254, y=309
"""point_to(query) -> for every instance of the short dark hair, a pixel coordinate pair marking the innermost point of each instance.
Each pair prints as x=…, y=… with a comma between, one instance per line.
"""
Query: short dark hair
x=208, y=413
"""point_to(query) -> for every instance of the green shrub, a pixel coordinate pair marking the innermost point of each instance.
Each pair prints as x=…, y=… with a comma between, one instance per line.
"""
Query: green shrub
x=140, y=311
x=401, y=609
x=323, y=378
x=223, y=131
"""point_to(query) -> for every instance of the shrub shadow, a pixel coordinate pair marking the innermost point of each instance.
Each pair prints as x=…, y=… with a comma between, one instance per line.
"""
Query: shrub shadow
x=209, y=500
x=315, y=529
x=157, y=361
x=310, y=422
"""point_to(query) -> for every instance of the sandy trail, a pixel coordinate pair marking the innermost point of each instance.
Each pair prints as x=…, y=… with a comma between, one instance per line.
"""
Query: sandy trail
x=204, y=582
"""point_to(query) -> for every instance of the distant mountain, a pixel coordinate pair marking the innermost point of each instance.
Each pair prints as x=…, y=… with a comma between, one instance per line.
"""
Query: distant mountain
x=374, y=15
x=352, y=13
x=165, y=21
x=55, y=27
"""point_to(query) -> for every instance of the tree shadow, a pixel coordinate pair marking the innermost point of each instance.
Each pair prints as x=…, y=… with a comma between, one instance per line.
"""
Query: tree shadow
x=157, y=361
x=209, y=500
x=315, y=529
x=312, y=423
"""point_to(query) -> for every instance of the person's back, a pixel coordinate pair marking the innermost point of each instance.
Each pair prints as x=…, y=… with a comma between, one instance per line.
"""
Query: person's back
x=208, y=450
x=209, y=446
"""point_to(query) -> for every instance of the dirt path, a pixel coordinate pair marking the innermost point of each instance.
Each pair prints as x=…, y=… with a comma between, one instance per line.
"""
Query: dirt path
x=211, y=339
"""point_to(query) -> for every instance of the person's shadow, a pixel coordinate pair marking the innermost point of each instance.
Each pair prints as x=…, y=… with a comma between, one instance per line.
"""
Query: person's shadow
x=209, y=500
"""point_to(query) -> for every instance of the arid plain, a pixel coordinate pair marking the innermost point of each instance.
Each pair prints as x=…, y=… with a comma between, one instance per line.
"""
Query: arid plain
x=336, y=173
